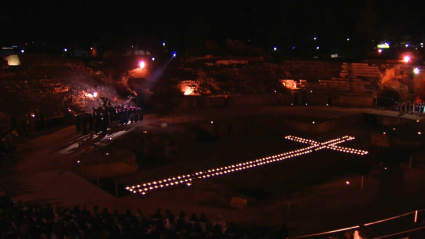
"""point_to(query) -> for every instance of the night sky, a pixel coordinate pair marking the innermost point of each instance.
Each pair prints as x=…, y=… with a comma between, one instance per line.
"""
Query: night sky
x=263, y=22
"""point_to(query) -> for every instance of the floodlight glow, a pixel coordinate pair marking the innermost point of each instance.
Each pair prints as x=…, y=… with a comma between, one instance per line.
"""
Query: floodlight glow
x=94, y=94
x=142, y=65
x=416, y=71
x=406, y=59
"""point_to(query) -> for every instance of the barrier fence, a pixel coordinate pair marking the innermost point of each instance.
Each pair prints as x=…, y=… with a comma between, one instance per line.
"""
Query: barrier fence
x=405, y=233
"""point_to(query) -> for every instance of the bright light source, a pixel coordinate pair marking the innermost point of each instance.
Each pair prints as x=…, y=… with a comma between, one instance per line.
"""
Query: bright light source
x=153, y=58
x=406, y=59
x=348, y=182
x=33, y=115
x=174, y=54
x=394, y=128
x=142, y=65
x=94, y=94
x=64, y=49
x=78, y=161
x=348, y=39
x=275, y=48
x=416, y=71
x=385, y=45
x=315, y=38
x=313, y=122
x=418, y=121
x=91, y=48
x=22, y=51
x=212, y=122
x=384, y=132
x=380, y=51
x=407, y=45
x=318, y=48
x=419, y=133
x=163, y=44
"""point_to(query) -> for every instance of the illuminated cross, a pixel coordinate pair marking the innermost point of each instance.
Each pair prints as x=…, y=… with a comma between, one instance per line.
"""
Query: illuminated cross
x=187, y=179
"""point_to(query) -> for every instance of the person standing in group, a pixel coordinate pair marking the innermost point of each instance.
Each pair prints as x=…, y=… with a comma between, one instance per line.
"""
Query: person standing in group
x=77, y=123
x=84, y=123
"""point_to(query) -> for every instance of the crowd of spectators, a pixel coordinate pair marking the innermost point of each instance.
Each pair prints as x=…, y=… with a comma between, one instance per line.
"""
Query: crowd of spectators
x=31, y=220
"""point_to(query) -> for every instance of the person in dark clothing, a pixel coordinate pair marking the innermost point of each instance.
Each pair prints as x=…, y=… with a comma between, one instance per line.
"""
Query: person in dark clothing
x=104, y=125
x=78, y=123
x=90, y=122
x=283, y=232
x=98, y=120
x=84, y=123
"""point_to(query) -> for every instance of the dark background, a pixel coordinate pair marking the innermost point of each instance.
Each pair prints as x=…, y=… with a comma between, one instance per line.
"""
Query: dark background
x=264, y=23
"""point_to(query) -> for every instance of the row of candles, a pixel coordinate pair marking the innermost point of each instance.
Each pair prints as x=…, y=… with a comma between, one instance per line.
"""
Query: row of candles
x=187, y=179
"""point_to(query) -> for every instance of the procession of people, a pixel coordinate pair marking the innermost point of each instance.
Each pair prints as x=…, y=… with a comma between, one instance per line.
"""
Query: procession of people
x=105, y=114
x=417, y=107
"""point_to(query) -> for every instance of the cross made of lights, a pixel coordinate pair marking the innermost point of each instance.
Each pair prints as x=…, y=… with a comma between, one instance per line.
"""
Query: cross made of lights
x=187, y=179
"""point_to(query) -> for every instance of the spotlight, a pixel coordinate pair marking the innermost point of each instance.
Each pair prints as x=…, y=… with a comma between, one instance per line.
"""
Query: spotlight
x=142, y=65
x=406, y=59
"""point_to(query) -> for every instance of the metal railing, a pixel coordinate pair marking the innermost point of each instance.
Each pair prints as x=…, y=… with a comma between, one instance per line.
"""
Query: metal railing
x=415, y=220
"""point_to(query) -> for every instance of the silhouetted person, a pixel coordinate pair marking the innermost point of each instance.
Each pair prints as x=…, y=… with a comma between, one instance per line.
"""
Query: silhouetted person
x=90, y=122
x=283, y=232
x=84, y=123
x=78, y=123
